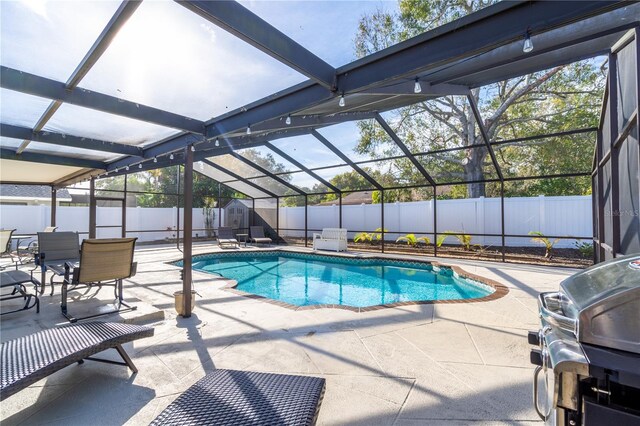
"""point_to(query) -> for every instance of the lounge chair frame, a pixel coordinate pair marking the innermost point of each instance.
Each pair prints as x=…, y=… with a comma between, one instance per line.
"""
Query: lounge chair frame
x=30, y=358
x=226, y=237
x=258, y=236
x=17, y=280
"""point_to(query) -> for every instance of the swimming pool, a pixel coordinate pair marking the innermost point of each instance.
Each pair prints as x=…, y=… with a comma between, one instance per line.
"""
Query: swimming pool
x=303, y=279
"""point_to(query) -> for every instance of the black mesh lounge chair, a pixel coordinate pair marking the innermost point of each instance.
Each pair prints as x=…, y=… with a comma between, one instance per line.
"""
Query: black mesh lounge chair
x=54, y=250
x=229, y=397
x=27, y=359
x=258, y=236
x=226, y=237
x=103, y=262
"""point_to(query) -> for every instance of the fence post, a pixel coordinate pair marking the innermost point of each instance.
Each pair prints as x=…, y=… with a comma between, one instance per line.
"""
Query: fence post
x=541, y=213
x=480, y=206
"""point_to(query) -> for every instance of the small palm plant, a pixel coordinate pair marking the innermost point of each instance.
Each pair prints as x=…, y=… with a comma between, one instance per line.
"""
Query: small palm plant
x=548, y=244
x=464, y=239
x=412, y=240
x=363, y=237
x=377, y=234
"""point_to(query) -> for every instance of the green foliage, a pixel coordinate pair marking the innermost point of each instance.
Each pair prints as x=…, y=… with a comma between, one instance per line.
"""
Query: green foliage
x=541, y=239
x=585, y=249
x=554, y=100
x=464, y=239
x=363, y=237
x=412, y=240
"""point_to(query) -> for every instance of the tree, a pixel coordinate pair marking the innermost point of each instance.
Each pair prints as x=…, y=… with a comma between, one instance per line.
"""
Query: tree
x=561, y=98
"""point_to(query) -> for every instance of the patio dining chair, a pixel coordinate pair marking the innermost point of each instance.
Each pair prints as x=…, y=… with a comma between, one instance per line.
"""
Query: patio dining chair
x=258, y=236
x=5, y=246
x=103, y=262
x=30, y=246
x=54, y=250
x=226, y=237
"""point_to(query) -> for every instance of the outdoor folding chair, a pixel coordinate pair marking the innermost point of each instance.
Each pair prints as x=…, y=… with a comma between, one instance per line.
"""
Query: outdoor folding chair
x=54, y=250
x=5, y=246
x=227, y=237
x=258, y=236
x=103, y=262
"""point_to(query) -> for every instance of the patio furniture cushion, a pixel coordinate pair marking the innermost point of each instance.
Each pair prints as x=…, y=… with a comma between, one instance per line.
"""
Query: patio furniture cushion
x=230, y=397
x=27, y=359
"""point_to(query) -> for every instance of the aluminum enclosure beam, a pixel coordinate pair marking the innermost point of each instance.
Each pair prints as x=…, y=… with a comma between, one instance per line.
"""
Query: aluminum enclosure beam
x=266, y=172
x=404, y=149
x=242, y=23
x=59, y=139
x=471, y=35
x=117, y=21
x=302, y=167
x=377, y=69
x=347, y=160
x=237, y=177
x=485, y=136
x=34, y=157
x=46, y=88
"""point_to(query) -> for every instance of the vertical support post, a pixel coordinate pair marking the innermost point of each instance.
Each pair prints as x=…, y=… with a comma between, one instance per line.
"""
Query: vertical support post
x=253, y=211
x=340, y=210
x=220, y=205
x=615, y=153
x=54, y=205
x=382, y=218
x=124, y=209
x=92, y=208
x=435, y=222
x=178, y=207
x=188, y=231
x=502, y=219
x=277, y=220
x=600, y=195
x=306, y=220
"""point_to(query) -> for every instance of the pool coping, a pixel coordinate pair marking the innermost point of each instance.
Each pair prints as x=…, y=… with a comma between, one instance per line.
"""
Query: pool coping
x=500, y=290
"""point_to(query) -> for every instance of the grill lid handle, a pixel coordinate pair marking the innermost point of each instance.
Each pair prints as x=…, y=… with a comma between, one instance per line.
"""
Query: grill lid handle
x=552, y=317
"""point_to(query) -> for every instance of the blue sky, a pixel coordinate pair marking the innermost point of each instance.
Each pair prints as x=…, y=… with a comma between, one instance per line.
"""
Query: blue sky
x=165, y=56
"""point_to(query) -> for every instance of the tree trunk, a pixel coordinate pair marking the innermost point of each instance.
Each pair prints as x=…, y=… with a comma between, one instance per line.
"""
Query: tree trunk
x=473, y=171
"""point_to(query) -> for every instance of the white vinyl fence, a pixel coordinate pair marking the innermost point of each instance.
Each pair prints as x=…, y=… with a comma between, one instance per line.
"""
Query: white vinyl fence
x=557, y=216
x=560, y=216
x=160, y=223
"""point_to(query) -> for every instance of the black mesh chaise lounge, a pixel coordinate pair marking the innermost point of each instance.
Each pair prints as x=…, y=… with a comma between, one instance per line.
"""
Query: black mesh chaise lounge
x=258, y=236
x=54, y=250
x=103, y=262
x=226, y=237
x=27, y=359
x=230, y=397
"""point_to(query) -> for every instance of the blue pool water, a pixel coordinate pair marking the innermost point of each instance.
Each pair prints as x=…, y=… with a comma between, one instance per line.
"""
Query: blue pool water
x=307, y=279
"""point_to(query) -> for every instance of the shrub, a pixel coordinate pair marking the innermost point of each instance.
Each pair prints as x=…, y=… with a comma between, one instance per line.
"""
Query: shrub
x=412, y=240
x=585, y=249
x=363, y=237
x=464, y=239
x=541, y=239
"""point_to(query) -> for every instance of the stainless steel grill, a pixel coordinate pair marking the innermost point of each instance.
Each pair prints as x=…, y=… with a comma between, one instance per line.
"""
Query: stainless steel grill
x=589, y=347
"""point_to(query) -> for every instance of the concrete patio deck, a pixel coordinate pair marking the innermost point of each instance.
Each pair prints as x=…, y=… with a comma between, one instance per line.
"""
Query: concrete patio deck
x=447, y=364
